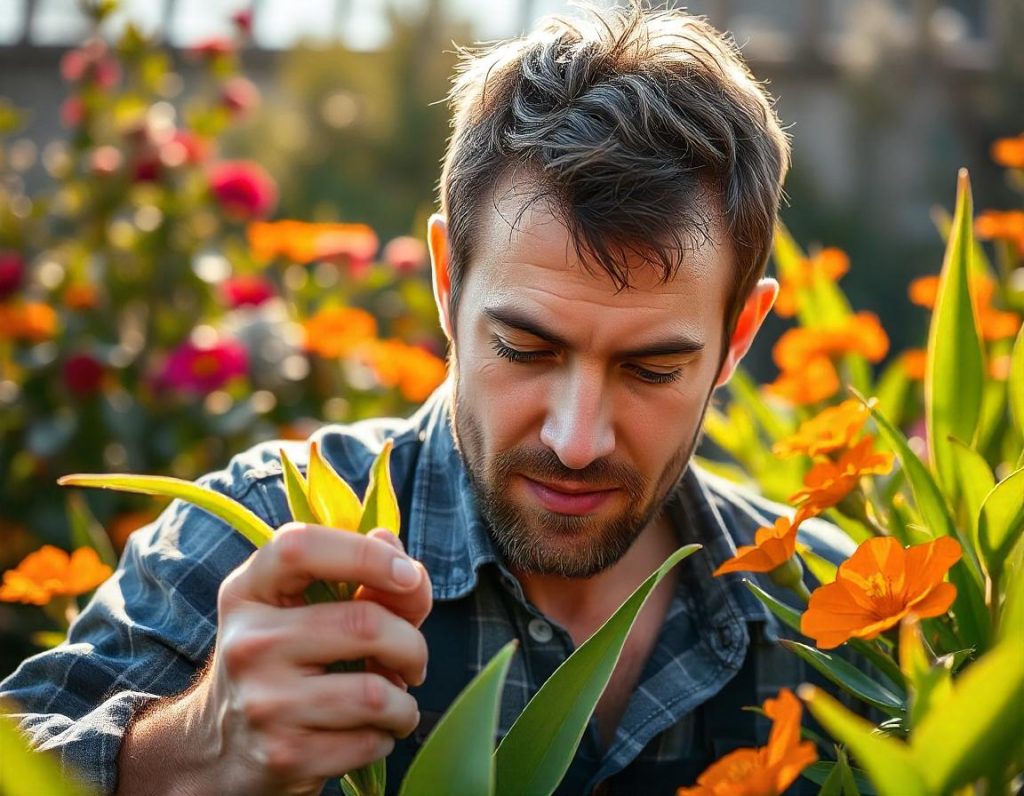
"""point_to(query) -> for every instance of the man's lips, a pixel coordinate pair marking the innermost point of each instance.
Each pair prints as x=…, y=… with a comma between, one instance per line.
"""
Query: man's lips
x=567, y=497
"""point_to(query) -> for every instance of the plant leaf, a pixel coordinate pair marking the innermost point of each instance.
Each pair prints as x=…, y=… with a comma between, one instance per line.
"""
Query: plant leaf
x=539, y=747
x=86, y=530
x=955, y=370
x=1015, y=388
x=296, y=490
x=824, y=571
x=221, y=506
x=978, y=726
x=27, y=772
x=457, y=756
x=848, y=677
x=1001, y=521
x=887, y=761
x=380, y=506
x=976, y=480
x=330, y=497
x=852, y=781
x=789, y=616
x=929, y=682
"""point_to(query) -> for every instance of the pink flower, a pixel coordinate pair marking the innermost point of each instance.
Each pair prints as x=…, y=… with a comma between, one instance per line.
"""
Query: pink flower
x=243, y=21
x=239, y=291
x=91, y=62
x=212, y=48
x=72, y=112
x=240, y=96
x=405, y=254
x=244, y=189
x=12, y=272
x=105, y=160
x=83, y=374
x=197, y=149
x=192, y=367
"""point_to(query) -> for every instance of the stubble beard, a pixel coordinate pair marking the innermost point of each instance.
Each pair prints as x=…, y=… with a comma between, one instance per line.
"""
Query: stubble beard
x=534, y=540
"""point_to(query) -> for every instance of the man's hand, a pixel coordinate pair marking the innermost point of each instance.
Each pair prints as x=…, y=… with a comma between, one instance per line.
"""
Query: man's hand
x=266, y=716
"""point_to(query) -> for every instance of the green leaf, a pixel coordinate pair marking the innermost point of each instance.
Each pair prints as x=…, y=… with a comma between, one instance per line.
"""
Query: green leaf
x=744, y=390
x=852, y=781
x=221, y=506
x=86, y=530
x=296, y=490
x=848, y=677
x=976, y=480
x=331, y=498
x=887, y=761
x=788, y=616
x=1001, y=521
x=929, y=682
x=891, y=392
x=824, y=571
x=380, y=507
x=1015, y=387
x=537, y=751
x=955, y=371
x=978, y=727
x=26, y=772
x=457, y=756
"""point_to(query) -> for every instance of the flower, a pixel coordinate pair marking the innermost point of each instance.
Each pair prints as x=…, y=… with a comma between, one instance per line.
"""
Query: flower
x=1009, y=152
x=206, y=367
x=415, y=371
x=858, y=334
x=924, y=290
x=336, y=331
x=998, y=325
x=773, y=546
x=828, y=264
x=829, y=430
x=246, y=290
x=879, y=585
x=1001, y=225
x=914, y=361
x=303, y=242
x=767, y=770
x=993, y=323
x=31, y=321
x=405, y=254
x=50, y=572
x=12, y=271
x=72, y=112
x=814, y=382
x=242, y=20
x=212, y=48
x=826, y=483
x=243, y=188
x=81, y=296
x=240, y=96
x=91, y=62
x=83, y=374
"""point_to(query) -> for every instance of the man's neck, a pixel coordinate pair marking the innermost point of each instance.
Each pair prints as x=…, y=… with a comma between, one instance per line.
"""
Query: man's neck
x=582, y=605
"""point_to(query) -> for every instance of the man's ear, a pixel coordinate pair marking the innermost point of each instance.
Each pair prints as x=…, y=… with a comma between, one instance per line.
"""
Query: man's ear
x=437, y=244
x=754, y=311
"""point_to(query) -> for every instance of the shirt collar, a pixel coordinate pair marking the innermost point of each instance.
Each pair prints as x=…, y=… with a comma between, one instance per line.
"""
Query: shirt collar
x=449, y=536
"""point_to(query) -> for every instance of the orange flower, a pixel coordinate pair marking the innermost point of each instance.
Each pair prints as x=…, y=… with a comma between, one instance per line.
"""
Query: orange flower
x=30, y=321
x=878, y=586
x=1001, y=225
x=828, y=264
x=767, y=770
x=828, y=482
x=999, y=367
x=924, y=290
x=413, y=370
x=1009, y=152
x=304, y=242
x=773, y=546
x=336, y=331
x=914, y=361
x=50, y=572
x=814, y=382
x=993, y=324
x=997, y=325
x=829, y=430
x=81, y=296
x=859, y=334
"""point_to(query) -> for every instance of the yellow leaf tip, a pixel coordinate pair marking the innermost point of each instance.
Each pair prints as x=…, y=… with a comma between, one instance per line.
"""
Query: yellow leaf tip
x=806, y=692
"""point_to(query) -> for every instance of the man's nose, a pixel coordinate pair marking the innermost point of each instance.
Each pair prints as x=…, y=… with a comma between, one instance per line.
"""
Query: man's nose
x=578, y=426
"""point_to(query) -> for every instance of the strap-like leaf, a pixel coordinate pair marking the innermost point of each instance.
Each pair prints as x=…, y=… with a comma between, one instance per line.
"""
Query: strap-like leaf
x=332, y=500
x=456, y=758
x=221, y=506
x=296, y=490
x=380, y=506
x=537, y=751
x=26, y=772
x=789, y=616
x=849, y=678
x=1001, y=521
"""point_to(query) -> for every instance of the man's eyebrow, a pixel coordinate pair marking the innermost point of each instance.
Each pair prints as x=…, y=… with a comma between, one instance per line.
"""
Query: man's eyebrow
x=514, y=319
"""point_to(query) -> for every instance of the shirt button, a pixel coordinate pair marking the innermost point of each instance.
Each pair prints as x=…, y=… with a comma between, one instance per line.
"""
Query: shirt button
x=540, y=631
x=725, y=636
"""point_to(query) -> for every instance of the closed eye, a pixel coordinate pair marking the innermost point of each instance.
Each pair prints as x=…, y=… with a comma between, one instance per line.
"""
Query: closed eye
x=653, y=376
x=515, y=355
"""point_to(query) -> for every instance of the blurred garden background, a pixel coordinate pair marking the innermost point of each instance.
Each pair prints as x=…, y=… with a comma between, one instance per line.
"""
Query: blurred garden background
x=211, y=214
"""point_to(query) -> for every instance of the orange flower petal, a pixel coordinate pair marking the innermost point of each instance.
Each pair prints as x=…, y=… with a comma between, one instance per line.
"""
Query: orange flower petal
x=935, y=602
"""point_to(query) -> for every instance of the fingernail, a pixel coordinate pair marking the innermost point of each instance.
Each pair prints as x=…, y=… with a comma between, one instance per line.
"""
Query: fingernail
x=404, y=572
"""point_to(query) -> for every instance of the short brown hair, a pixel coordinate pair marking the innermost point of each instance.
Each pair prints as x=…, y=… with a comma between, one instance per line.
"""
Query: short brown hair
x=625, y=120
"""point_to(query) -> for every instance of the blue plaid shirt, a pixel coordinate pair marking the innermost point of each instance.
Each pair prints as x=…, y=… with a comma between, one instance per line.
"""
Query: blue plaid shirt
x=151, y=626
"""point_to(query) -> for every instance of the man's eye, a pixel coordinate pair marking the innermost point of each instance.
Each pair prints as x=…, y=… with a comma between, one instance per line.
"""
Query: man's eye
x=515, y=355
x=652, y=376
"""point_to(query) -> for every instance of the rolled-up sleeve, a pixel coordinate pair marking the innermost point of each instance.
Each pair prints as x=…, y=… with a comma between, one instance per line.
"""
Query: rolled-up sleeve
x=144, y=635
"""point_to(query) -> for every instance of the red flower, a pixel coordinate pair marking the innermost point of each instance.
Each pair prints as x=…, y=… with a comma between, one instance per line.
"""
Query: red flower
x=243, y=21
x=72, y=112
x=244, y=189
x=91, y=62
x=83, y=374
x=240, y=96
x=405, y=254
x=239, y=291
x=12, y=271
x=203, y=368
x=197, y=149
x=212, y=48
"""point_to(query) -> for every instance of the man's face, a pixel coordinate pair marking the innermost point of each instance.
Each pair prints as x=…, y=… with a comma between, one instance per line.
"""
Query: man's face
x=577, y=407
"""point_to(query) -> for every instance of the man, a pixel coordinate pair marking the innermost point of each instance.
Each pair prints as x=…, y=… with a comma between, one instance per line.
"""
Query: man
x=608, y=202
